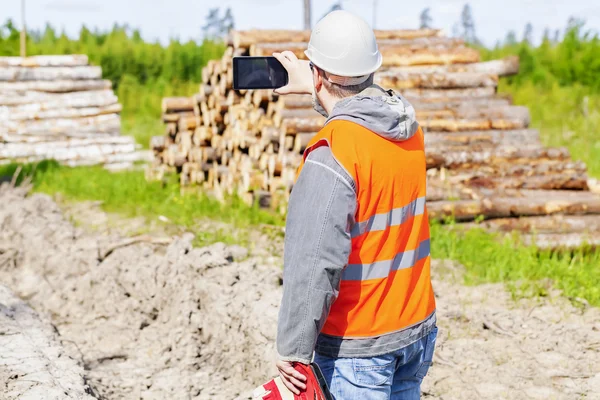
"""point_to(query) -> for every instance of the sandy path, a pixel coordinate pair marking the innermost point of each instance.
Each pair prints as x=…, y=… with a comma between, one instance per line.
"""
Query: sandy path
x=155, y=322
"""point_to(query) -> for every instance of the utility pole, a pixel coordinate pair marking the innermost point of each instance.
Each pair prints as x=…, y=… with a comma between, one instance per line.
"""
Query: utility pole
x=307, y=14
x=23, y=31
x=374, y=13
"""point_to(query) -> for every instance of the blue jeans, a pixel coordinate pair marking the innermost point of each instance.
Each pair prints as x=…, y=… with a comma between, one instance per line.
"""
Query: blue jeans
x=395, y=376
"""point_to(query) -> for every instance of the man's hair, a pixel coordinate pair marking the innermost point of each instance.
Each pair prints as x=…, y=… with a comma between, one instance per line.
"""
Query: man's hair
x=340, y=91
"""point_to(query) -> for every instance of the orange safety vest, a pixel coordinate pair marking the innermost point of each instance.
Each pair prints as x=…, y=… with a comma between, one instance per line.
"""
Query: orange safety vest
x=386, y=285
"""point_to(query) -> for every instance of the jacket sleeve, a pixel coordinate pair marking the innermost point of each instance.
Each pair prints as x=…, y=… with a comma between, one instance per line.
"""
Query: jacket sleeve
x=316, y=250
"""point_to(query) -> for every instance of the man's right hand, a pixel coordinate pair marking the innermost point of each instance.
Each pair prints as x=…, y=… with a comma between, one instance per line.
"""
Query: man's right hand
x=300, y=76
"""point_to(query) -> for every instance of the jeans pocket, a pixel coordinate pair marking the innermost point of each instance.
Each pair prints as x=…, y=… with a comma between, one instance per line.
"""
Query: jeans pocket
x=374, y=371
x=427, y=354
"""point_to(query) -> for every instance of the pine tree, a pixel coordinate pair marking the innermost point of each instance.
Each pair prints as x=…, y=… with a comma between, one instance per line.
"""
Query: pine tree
x=213, y=24
x=227, y=23
x=511, y=38
x=426, y=19
x=528, y=33
x=546, y=36
x=468, y=25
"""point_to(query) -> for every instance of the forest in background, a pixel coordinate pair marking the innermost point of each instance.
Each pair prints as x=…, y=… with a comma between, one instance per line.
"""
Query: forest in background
x=559, y=79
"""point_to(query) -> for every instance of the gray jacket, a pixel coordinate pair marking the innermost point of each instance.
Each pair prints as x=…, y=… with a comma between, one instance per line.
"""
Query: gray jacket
x=321, y=215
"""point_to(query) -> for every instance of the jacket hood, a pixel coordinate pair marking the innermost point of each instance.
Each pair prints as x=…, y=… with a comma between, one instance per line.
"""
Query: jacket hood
x=384, y=112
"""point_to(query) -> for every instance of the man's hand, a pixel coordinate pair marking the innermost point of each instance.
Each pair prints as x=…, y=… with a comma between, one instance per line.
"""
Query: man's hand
x=300, y=76
x=291, y=378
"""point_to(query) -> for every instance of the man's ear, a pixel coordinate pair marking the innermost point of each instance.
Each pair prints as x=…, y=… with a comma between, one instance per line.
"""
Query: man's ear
x=318, y=80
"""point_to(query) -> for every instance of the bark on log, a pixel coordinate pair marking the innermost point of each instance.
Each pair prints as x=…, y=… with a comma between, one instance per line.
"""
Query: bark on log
x=55, y=86
x=51, y=100
x=457, y=125
x=158, y=143
x=570, y=241
x=55, y=106
x=177, y=104
x=75, y=60
x=16, y=138
x=506, y=66
x=298, y=48
x=101, y=123
x=410, y=80
x=304, y=119
x=290, y=102
x=436, y=95
x=18, y=74
x=250, y=37
x=469, y=159
x=542, y=203
x=524, y=137
x=110, y=159
x=60, y=113
x=69, y=150
x=399, y=57
x=544, y=224
x=175, y=117
x=573, y=181
x=291, y=126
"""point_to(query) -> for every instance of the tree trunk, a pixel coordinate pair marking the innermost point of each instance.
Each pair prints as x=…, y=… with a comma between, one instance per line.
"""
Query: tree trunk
x=506, y=66
x=76, y=60
x=248, y=38
x=544, y=224
x=466, y=158
x=400, y=57
x=177, y=104
x=384, y=45
x=569, y=241
x=100, y=123
x=410, y=80
x=55, y=86
x=15, y=74
x=437, y=95
x=491, y=138
x=61, y=113
x=47, y=100
x=511, y=205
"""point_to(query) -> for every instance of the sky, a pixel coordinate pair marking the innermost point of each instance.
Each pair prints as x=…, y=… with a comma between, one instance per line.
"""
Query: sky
x=164, y=19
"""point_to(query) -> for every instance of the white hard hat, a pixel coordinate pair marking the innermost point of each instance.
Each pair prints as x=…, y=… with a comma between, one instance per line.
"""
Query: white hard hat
x=345, y=46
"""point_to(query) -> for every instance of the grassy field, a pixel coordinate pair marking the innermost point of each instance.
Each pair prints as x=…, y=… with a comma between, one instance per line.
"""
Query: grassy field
x=486, y=258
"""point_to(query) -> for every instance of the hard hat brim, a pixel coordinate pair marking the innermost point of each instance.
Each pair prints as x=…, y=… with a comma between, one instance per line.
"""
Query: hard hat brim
x=369, y=71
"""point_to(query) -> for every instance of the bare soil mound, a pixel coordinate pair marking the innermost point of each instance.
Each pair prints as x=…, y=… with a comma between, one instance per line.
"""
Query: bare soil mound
x=147, y=321
x=177, y=322
x=33, y=364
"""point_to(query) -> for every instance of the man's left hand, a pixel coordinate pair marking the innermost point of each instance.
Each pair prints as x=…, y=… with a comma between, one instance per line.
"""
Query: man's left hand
x=291, y=378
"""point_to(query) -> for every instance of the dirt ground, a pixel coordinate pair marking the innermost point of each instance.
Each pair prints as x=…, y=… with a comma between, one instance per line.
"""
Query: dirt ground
x=145, y=320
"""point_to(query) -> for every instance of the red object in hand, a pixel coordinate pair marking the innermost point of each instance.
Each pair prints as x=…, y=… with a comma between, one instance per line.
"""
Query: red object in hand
x=316, y=387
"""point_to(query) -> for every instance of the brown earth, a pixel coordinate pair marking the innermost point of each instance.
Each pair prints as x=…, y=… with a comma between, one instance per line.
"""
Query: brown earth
x=169, y=321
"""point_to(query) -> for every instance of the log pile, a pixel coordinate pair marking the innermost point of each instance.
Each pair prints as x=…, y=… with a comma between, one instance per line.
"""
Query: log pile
x=59, y=107
x=482, y=157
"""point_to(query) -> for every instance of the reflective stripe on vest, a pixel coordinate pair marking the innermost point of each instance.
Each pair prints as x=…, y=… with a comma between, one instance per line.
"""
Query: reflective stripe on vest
x=397, y=216
x=386, y=285
x=382, y=269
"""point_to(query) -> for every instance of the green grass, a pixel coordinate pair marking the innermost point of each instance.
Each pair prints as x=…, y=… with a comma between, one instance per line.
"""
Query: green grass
x=128, y=193
x=564, y=118
x=486, y=257
x=490, y=258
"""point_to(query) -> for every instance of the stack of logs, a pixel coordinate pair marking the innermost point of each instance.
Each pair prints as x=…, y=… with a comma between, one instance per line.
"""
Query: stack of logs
x=59, y=107
x=482, y=158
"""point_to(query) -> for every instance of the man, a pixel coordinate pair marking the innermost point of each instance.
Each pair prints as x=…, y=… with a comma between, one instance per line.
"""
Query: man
x=357, y=288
